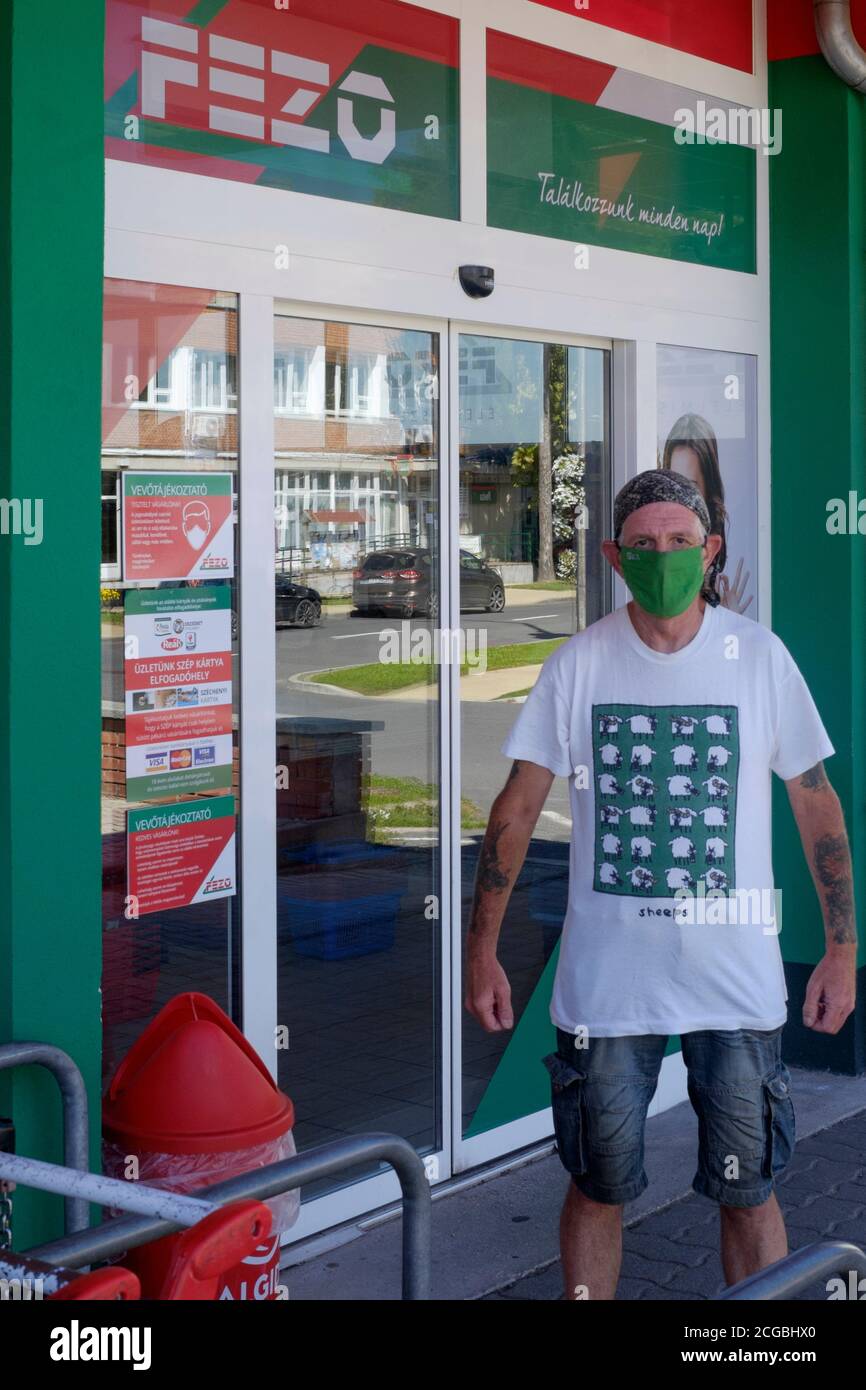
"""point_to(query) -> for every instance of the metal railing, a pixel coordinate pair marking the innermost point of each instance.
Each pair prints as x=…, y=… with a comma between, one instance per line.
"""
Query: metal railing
x=165, y=1213
x=73, y=1095
x=799, y=1270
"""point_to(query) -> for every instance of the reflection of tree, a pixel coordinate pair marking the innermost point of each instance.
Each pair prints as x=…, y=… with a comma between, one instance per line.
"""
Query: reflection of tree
x=532, y=464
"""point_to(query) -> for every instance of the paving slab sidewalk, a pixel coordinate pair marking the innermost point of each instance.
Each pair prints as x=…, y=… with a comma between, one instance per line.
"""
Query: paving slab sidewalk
x=495, y=1237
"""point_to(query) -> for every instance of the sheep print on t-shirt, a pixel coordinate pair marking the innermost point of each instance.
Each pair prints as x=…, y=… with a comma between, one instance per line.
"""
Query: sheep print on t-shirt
x=665, y=779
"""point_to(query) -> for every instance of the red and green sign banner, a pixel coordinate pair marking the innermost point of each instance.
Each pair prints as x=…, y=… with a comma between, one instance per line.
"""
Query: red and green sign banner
x=177, y=526
x=178, y=678
x=181, y=854
x=588, y=153
x=722, y=33
x=339, y=99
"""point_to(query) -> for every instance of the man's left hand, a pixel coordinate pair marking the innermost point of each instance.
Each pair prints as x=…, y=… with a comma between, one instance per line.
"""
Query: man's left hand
x=831, y=991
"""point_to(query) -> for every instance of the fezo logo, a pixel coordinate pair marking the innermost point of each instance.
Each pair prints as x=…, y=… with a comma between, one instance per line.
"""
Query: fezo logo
x=307, y=80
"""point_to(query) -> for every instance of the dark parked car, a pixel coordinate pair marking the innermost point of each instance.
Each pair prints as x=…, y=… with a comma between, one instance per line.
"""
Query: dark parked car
x=399, y=580
x=296, y=603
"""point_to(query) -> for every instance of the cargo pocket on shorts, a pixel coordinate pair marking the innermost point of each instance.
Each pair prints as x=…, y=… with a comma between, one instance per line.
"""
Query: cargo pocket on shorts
x=779, y=1122
x=568, y=1106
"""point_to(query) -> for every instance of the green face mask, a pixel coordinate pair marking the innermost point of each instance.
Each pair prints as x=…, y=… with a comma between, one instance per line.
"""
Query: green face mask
x=664, y=582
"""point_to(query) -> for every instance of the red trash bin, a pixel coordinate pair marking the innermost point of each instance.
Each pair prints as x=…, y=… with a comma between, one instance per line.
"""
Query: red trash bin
x=193, y=1104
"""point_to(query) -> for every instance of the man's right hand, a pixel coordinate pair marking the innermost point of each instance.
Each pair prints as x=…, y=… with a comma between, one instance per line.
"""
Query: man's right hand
x=488, y=993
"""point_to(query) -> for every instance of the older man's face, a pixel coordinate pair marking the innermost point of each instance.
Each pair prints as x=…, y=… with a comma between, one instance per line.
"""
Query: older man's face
x=662, y=526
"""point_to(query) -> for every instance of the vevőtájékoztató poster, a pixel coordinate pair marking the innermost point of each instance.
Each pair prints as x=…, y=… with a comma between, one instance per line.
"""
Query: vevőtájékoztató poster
x=181, y=854
x=177, y=526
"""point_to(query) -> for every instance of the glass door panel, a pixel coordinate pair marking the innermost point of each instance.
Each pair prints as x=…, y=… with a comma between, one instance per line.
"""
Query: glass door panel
x=356, y=574
x=169, y=604
x=533, y=497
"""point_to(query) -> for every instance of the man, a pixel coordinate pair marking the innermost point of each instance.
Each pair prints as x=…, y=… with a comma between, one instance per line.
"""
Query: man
x=668, y=716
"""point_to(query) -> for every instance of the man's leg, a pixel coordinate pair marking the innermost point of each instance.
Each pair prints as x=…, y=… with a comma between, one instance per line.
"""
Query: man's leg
x=752, y=1238
x=590, y=1242
x=740, y=1090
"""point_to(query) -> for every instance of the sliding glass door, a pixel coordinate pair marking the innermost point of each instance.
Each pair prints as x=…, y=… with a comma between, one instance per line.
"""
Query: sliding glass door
x=356, y=541
x=533, y=446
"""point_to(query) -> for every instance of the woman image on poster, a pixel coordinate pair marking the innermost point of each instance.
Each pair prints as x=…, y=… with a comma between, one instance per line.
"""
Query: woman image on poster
x=692, y=449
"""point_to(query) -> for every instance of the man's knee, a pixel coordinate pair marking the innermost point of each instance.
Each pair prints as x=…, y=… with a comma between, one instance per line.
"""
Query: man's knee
x=580, y=1201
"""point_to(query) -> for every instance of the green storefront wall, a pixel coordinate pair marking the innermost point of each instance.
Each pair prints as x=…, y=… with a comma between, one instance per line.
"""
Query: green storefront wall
x=818, y=320
x=50, y=374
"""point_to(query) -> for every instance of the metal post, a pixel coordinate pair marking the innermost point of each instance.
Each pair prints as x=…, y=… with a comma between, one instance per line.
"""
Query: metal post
x=73, y=1094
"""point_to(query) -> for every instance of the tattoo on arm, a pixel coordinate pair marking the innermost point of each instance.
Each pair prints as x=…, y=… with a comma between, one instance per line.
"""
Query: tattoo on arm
x=815, y=778
x=515, y=769
x=491, y=876
x=833, y=869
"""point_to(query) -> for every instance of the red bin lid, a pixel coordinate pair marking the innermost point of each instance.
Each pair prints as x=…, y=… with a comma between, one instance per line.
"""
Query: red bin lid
x=193, y=1084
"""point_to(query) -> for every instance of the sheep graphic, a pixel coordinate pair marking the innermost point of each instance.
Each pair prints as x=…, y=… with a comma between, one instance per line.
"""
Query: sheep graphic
x=610, y=815
x=643, y=788
x=608, y=785
x=641, y=848
x=718, y=757
x=715, y=849
x=717, y=788
x=715, y=815
x=642, y=879
x=609, y=874
x=715, y=878
x=684, y=755
x=612, y=846
x=682, y=849
x=642, y=755
x=718, y=724
x=610, y=755
x=642, y=815
x=683, y=725
x=609, y=724
x=681, y=817
x=681, y=786
x=679, y=878
x=643, y=724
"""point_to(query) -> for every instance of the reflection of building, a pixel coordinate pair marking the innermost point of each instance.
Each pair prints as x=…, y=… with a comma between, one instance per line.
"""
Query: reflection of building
x=353, y=412
x=354, y=441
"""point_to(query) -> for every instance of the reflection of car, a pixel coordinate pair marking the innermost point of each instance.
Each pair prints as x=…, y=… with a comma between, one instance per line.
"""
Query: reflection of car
x=296, y=603
x=401, y=580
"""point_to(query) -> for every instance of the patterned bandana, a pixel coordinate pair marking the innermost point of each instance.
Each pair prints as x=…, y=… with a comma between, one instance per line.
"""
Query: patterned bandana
x=663, y=485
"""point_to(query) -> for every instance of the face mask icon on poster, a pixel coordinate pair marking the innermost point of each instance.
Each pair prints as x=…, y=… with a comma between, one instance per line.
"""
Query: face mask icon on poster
x=196, y=524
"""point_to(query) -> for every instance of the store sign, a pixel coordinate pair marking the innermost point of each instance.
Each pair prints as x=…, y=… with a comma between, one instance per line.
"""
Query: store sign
x=178, y=678
x=181, y=854
x=355, y=106
x=721, y=33
x=177, y=526
x=587, y=153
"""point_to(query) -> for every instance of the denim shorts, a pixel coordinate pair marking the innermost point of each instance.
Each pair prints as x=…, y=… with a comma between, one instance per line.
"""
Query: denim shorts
x=740, y=1090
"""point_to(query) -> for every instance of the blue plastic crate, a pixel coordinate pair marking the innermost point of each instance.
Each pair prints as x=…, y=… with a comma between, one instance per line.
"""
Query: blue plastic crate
x=342, y=928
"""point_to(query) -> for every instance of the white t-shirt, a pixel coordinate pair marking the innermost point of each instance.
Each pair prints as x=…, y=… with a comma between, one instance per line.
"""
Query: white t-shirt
x=669, y=757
